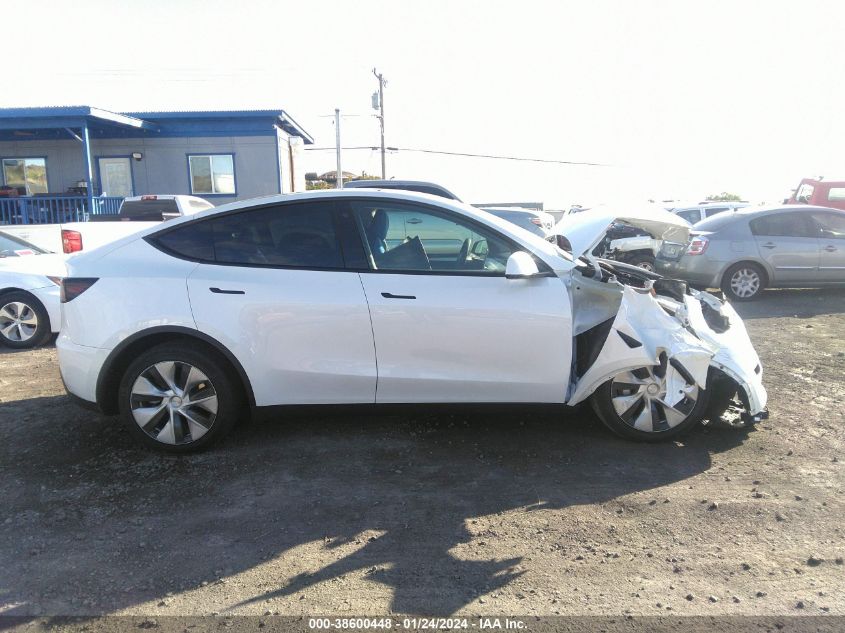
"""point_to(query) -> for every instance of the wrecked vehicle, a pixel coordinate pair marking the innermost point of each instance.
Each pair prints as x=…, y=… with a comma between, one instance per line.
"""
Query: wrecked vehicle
x=625, y=242
x=373, y=297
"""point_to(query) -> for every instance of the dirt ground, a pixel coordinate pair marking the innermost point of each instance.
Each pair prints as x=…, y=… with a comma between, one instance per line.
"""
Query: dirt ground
x=524, y=512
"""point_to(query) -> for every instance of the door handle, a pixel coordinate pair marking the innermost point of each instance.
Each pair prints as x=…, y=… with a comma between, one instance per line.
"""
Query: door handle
x=769, y=245
x=390, y=295
x=219, y=291
x=830, y=248
x=414, y=221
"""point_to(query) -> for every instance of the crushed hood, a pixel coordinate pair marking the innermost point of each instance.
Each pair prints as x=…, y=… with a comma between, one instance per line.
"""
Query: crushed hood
x=586, y=229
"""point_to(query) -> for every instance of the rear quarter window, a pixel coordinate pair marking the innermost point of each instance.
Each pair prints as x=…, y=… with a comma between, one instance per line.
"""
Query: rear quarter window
x=192, y=241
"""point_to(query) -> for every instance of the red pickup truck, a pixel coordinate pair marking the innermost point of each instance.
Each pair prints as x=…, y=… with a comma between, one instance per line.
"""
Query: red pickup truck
x=821, y=193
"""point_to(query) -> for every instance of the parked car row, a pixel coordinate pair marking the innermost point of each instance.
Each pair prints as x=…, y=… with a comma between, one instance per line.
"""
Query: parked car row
x=747, y=250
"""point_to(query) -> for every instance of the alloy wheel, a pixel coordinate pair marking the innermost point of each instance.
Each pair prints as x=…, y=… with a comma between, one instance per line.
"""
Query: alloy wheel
x=646, y=265
x=173, y=402
x=745, y=282
x=654, y=399
x=18, y=321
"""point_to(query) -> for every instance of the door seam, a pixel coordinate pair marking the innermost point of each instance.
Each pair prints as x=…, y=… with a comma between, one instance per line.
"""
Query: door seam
x=373, y=332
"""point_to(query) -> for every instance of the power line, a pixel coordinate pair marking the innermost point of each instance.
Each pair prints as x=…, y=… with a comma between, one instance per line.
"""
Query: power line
x=445, y=153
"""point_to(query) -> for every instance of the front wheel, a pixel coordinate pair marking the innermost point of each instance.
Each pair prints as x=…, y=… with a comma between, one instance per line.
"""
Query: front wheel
x=179, y=399
x=650, y=404
x=24, y=323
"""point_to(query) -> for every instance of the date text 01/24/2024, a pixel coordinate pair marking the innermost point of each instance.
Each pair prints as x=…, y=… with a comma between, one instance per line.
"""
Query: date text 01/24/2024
x=431, y=624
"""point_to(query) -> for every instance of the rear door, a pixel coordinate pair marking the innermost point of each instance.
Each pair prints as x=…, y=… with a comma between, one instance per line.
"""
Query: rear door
x=788, y=241
x=274, y=288
x=832, y=256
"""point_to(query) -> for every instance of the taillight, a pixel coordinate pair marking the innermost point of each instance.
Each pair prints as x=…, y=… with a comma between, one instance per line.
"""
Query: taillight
x=71, y=241
x=537, y=221
x=72, y=287
x=698, y=245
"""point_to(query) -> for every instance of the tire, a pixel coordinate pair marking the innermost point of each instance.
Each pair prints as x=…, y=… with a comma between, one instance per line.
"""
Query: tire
x=630, y=407
x=180, y=399
x=744, y=281
x=642, y=260
x=24, y=322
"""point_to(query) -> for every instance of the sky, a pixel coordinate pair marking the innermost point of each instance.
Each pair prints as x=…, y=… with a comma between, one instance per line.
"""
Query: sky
x=679, y=99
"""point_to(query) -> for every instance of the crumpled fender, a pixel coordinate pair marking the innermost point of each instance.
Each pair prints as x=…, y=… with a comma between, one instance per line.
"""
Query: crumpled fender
x=642, y=319
x=733, y=352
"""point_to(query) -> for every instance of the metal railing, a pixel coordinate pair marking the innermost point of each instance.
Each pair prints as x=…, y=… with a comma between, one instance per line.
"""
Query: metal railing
x=55, y=209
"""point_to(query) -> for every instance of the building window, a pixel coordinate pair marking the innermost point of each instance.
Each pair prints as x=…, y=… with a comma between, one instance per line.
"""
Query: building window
x=27, y=175
x=212, y=173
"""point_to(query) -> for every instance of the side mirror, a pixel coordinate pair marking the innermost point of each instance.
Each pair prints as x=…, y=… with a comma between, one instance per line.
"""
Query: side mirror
x=521, y=266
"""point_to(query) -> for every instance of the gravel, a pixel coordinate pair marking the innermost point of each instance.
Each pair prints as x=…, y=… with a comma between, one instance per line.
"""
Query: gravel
x=349, y=514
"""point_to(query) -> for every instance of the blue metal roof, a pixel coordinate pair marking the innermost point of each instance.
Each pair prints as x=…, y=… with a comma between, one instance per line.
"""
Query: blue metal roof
x=52, y=122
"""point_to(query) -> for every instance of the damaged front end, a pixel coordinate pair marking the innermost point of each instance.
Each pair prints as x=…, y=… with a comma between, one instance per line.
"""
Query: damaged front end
x=626, y=319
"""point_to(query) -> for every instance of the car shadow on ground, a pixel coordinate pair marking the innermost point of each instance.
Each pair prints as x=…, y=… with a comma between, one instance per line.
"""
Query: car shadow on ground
x=95, y=524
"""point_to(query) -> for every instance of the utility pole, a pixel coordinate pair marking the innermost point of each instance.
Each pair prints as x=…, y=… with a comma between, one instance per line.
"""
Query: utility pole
x=339, y=182
x=382, y=82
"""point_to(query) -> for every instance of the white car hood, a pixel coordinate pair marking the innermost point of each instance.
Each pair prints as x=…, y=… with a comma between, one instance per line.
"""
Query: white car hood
x=52, y=264
x=586, y=229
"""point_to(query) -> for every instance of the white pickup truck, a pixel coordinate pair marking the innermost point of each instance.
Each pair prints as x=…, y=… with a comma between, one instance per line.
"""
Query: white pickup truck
x=136, y=213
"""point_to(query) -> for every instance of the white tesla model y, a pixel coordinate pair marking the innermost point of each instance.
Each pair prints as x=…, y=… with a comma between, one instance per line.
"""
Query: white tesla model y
x=373, y=297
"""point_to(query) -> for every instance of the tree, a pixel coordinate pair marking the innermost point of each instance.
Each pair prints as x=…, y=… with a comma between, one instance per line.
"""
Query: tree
x=724, y=197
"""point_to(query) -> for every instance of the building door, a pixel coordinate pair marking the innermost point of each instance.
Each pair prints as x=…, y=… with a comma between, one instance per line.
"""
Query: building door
x=116, y=177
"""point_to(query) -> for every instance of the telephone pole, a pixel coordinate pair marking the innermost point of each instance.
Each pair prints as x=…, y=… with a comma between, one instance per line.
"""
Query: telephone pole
x=382, y=82
x=339, y=182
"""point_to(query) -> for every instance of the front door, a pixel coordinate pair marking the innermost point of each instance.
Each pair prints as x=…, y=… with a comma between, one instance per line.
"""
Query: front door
x=832, y=231
x=448, y=325
x=116, y=177
x=280, y=297
x=789, y=243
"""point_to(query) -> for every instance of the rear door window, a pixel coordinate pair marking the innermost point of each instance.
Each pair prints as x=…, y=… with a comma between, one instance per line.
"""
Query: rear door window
x=795, y=224
x=299, y=236
x=285, y=236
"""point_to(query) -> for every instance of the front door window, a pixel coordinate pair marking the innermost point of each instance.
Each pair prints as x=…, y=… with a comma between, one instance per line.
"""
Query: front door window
x=415, y=239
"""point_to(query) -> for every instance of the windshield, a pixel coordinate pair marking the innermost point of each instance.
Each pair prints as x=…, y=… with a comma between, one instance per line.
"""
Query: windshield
x=11, y=246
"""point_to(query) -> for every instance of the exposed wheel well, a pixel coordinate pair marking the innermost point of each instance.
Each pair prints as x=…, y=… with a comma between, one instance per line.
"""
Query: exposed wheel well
x=762, y=268
x=112, y=372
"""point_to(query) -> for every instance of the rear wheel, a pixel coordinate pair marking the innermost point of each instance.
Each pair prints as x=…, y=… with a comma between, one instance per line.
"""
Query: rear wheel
x=744, y=281
x=24, y=323
x=652, y=403
x=179, y=399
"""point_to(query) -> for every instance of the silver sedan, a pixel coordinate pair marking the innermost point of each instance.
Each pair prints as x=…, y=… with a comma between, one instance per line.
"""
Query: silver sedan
x=742, y=252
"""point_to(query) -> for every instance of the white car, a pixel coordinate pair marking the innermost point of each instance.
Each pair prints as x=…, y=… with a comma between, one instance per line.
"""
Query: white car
x=29, y=292
x=384, y=297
